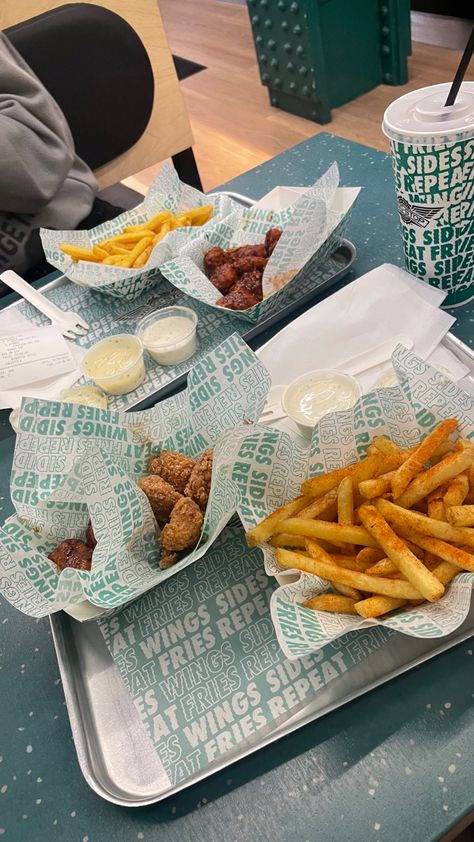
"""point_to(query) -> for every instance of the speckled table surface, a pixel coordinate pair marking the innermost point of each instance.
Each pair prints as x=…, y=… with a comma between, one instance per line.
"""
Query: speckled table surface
x=395, y=764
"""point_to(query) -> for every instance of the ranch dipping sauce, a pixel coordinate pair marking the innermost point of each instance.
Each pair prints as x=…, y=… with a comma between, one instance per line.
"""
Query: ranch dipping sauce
x=169, y=335
x=315, y=394
x=116, y=364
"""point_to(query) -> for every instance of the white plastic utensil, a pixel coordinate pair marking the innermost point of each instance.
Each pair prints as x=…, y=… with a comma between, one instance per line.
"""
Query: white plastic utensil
x=69, y=323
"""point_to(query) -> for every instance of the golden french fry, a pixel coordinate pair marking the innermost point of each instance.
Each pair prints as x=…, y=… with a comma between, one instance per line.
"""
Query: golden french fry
x=376, y=606
x=323, y=505
x=283, y=540
x=358, y=472
x=425, y=525
x=414, y=464
x=331, y=602
x=346, y=590
x=368, y=556
x=165, y=228
x=114, y=260
x=328, y=531
x=386, y=446
x=130, y=237
x=457, y=490
x=384, y=567
x=272, y=524
x=446, y=571
x=436, y=509
x=142, y=258
x=443, y=550
x=424, y=483
x=411, y=566
x=200, y=215
x=398, y=588
x=151, y=224
x=99, y=252
x=371, y=488
x=79, y=253
x=137, y=250
x=345, y=502
x=114, y=248
x=460, y=515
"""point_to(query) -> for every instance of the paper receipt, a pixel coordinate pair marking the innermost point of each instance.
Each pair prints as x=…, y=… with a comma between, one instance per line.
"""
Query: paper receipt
x=33, y=355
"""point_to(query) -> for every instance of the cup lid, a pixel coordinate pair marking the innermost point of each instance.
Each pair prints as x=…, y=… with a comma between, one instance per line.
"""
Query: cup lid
x=423, y=114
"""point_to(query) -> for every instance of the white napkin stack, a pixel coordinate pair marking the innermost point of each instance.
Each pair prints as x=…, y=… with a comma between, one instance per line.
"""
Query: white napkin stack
x=382, y=304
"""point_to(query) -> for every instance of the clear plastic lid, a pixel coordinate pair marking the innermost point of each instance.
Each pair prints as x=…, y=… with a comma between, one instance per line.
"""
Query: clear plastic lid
x=422, y=115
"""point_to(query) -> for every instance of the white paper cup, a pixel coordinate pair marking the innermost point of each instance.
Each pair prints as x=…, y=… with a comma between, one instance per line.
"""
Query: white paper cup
x=432, y=150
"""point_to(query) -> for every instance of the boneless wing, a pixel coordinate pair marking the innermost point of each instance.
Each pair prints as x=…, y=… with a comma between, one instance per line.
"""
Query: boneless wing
x=161, y=496
x=72, y=553
x=173, y=467
x=183, y=528
x=199, y=483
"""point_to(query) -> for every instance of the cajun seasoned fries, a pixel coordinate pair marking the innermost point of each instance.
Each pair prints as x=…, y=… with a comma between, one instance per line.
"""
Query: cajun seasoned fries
x=389, y=531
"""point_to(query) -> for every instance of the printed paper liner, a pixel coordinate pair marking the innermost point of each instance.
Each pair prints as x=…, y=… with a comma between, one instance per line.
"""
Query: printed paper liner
x=269, y=468
x=312, y=229
x=166, y=193
x=72, y=462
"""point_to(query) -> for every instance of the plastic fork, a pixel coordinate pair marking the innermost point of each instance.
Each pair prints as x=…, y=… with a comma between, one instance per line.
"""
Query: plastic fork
x=69, y=323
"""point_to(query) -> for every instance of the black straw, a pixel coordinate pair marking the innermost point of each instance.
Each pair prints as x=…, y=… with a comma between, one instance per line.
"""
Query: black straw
x=461, y=71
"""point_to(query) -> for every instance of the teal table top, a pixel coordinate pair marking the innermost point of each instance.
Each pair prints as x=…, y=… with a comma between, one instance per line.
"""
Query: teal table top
x=395, y=764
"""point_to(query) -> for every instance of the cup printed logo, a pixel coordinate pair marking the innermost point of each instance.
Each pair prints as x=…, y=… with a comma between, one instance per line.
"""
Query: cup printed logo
x=417, y=214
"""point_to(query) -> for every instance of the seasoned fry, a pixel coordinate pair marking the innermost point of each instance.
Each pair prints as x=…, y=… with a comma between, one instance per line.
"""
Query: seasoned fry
x=384, y=567
x=152, y=224
x=137, y=250
x=376, y=606
x=326, y=482
x=425, y=525
x=446, y=571
x=345, y=590
x=425, y=482
x=436, y=509
x=414, y=464
x=323, y=505
x=368, y=556
x=386, y=446
x=411, y=566
x=328, y=531
x=283, y=540
x=331, y=602
x=333, y=573
x=442, y=549
x=460, y=515
x=371, y=488
x=272, y=524
x=345, y=502
x=457, y=490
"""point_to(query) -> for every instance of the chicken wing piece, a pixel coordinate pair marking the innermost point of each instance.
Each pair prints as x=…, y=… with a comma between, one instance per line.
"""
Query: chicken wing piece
x=257, y=250
x=172, y=467
x=72, y=553
x=249, y=264
x=213, y=258
x=252, y=282
x=223, y=277
x=238, y=298
x=199, y=483
x=168, y=559
x=271, y=239
x=161, y=496
x=183, y=528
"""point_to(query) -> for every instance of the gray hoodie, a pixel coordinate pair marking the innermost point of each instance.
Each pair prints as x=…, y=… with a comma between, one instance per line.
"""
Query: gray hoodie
x=42, y=181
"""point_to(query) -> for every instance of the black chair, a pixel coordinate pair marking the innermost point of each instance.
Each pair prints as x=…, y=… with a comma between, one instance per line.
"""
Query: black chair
x=95, y=66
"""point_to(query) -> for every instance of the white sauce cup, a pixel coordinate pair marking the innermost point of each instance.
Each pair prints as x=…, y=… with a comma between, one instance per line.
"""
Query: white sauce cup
x=169, y=335
x=316, y=393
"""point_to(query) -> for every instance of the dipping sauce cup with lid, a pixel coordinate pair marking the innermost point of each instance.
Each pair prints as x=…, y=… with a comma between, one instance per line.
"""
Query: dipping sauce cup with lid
x=317, y=393
x=115, y=364
x=169, y=335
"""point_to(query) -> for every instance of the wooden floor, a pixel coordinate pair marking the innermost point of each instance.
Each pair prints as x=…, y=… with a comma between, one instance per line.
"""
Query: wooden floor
x=234, y=126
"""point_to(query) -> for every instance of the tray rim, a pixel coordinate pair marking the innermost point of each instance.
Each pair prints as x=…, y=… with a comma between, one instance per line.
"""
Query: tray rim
x=297, y=720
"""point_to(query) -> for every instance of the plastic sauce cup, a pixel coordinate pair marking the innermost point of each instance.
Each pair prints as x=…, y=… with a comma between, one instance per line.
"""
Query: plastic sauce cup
x=432, y=149
x=169, y=335
x=317, y=393
x=115, y=364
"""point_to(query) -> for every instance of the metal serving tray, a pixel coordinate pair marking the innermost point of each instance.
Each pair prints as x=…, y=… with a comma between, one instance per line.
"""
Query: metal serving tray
x=115, y=753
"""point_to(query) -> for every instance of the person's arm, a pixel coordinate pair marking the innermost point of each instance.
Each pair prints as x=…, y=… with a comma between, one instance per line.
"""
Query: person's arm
x=36, y=149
